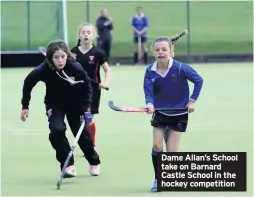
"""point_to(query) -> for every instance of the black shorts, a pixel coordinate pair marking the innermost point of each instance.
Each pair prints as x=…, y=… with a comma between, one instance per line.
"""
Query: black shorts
x=143, y=39
x=176, y=123
x=96, y=97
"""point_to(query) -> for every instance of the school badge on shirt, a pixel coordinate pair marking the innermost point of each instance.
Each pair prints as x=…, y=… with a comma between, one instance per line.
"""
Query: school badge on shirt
x=174, y=78
x=91, y=59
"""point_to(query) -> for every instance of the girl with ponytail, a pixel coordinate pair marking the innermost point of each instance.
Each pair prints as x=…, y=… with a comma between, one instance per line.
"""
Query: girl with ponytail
x=166, y=86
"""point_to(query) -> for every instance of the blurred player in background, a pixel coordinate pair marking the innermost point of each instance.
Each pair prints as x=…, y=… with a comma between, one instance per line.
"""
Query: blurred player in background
x=104, y=26
x=92, y=59
x=68, y=93
x=166, y=86
x=139, y=26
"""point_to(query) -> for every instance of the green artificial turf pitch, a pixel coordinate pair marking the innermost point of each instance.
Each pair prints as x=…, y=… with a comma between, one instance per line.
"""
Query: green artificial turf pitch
x=222, y=122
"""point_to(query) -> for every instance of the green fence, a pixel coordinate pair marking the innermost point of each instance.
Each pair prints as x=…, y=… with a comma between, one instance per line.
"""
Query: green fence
x=215, y=27
x=27, y=24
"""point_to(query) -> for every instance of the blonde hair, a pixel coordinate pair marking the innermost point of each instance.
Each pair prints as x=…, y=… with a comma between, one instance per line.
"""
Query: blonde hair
x=85, y=25
x=170, y=40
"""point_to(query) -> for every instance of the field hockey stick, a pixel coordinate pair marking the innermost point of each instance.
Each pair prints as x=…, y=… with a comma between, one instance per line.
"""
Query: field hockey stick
x=139, y=50
x=175, y=38
x=140, y=109
x=60, y=180
x=42, y=50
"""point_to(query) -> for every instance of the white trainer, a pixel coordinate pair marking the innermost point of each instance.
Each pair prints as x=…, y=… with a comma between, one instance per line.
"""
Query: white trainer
x=94, y=170
x=70, y=172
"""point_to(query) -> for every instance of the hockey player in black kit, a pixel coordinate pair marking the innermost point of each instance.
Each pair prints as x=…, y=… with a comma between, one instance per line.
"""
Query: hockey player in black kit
x=68, y=93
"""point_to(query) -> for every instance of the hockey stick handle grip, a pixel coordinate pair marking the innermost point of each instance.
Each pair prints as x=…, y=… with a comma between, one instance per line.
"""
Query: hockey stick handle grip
x=98, y=84
x=170, y=109
x=176, y=38
x=141, y=109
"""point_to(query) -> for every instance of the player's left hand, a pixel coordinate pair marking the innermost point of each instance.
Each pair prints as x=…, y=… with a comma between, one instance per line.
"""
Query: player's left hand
x=103, y=85
x=24, y=114
x=191, y=106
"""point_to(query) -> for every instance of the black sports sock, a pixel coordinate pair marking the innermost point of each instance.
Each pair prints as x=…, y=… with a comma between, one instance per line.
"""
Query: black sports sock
x=154, y=159
x=145, y=57
x=135, y=58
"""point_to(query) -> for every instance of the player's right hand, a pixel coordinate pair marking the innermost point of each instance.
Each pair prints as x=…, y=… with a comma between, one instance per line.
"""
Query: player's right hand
x=24, y=114
x=103, y=85
x=150, y=108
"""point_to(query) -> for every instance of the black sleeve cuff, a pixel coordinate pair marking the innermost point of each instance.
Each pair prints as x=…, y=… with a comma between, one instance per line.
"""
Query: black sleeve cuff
x=86, y=107
x=25, y=107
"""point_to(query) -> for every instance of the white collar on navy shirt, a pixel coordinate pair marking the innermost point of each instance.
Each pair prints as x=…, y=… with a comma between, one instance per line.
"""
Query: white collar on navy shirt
x=139, y=17
x=154, y=67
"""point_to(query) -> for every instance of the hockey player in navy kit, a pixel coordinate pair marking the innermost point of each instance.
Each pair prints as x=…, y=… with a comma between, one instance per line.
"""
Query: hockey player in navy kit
x=166, y=86
x=139, y=25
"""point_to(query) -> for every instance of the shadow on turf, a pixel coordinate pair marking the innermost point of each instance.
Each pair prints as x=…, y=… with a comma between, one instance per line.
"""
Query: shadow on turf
x=71, y=181
x=64, y=183
x=85, y=176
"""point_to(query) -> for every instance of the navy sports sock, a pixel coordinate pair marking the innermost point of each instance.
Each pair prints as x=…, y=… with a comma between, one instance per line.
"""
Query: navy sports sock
x=154, y=159
x=145, y=57
x=135, y=58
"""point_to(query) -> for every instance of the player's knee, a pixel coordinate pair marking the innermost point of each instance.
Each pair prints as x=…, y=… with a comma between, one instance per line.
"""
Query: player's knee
x=136, y=48
x=56, y=136
x=57, y=139
x=57, y=128
x=158, y=136
x=157, y=146
x=144, y=47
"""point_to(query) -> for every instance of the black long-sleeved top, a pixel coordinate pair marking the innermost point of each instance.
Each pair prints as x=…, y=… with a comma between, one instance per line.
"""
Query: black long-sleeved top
x=60, y=92
x=104, y=28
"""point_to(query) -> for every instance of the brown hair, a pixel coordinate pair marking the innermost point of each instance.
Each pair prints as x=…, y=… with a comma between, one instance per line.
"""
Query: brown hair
x=55, y=46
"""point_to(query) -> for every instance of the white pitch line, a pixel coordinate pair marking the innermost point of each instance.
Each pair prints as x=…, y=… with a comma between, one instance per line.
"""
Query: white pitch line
x=45, y=131
x=41, y=131
x=22, y=130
